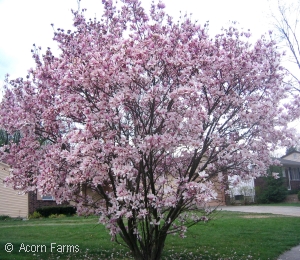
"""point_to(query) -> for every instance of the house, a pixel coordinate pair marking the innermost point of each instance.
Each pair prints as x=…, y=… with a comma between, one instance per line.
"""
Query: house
x=244, y=192
x=15, y=203
x=12, y=202
x=220, y=199
x=291, y=170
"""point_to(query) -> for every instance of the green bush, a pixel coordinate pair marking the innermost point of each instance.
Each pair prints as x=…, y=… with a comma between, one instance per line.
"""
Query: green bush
x=291, y=192
x=4, y=217
x=57, y=216
x=273, y=192
x=57, y=210
x=35, y=215
x=299, y=195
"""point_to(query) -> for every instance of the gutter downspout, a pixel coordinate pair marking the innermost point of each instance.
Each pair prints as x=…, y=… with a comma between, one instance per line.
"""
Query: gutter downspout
x=289, y=174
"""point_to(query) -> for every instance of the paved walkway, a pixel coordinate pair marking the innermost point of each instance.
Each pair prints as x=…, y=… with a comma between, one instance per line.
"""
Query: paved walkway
x=280, y=210
x=292, y=254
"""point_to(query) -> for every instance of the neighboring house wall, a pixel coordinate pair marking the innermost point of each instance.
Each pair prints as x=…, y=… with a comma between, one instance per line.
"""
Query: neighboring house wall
x=260, y=183
x=16, y=204
x=86, y=191
x=244, y=188
x=12, y=202
x=291, y=170
x=35, y=201
x=220, y=200
x=292, y=174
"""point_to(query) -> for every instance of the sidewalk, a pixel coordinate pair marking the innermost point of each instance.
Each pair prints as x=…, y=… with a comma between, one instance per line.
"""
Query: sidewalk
x=292, y=254
x=280, y=210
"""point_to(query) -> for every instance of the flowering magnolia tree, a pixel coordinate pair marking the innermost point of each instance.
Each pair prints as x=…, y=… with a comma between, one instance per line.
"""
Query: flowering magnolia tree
x=139, y=117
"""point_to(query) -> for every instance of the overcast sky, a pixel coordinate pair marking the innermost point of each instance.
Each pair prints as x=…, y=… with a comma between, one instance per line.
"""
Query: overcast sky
x=24, y=22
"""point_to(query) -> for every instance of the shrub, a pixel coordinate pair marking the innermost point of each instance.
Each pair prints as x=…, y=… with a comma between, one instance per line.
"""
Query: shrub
x=299, y=195
x=57, y=210
x=57, y=216
x=291, y=192
x=35, y=215
x=17, y=219
x=273, y=192
x=4, y=217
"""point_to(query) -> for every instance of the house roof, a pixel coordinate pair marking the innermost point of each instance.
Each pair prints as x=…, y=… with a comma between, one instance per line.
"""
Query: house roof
x=289, y=154
x=289, y=162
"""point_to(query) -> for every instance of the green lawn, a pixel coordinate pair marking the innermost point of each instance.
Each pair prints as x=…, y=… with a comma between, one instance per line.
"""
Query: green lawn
x=231, y=235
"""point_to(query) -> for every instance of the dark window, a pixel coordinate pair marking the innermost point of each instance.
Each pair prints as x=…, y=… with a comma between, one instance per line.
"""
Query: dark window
x=47, y=197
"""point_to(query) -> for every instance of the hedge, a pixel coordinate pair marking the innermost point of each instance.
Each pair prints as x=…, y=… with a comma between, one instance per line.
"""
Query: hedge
x=47, y=211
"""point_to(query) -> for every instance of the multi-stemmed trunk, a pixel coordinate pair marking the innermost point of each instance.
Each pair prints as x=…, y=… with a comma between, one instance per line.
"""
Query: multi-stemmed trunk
x=148, y=246
x=153, y=252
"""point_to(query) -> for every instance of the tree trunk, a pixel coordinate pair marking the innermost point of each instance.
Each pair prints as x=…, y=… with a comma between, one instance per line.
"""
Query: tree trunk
x=153, y=253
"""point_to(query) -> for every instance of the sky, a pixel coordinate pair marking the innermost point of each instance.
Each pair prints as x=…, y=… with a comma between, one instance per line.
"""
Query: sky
x=23, y=23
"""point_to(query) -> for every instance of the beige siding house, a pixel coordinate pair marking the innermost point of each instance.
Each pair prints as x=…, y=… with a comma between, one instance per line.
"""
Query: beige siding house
x=12, y=202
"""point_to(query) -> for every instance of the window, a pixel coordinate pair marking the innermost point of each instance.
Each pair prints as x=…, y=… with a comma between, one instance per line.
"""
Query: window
x=284, y=172
x=297, y=174
x=294, y=173
x=47, y=197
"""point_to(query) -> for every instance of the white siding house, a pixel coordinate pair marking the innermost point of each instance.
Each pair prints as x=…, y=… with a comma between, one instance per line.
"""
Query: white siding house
x=243, y=188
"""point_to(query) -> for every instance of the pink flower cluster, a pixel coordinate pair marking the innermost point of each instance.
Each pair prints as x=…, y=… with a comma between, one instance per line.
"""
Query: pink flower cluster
x=139, y=117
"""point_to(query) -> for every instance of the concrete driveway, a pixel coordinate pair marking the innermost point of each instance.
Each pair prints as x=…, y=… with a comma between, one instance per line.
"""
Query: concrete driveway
x=280, y=210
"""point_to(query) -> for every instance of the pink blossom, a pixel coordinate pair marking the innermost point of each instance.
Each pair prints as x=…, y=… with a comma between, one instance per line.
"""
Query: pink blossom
x=141, y=119
x=161, y=5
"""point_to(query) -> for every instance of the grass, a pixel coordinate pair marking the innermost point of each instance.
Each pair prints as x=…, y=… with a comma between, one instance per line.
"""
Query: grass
x=91, y=238
x=231, y=235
